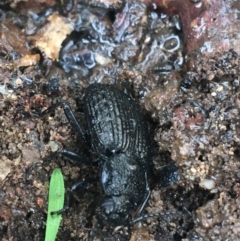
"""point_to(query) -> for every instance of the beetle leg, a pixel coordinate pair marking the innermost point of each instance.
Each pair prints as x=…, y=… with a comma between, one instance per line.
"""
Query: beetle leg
x=70, y=116
x=29, y=171
x=160, y=214
x=74, y=157
x=83, y=183
x=140, y=217
x=145, y=200
x=80, y=184
x=50, y=109
x=68, y=198
x=73, y=122
x=63, y=210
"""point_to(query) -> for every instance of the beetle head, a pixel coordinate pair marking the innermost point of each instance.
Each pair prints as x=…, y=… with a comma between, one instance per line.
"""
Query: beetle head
x=116, y=209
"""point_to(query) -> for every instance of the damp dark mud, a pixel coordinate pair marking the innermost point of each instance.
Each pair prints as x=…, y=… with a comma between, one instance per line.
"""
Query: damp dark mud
x=179, y=60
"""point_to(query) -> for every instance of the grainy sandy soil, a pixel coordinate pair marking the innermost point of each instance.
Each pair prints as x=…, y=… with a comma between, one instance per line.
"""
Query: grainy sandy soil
x=185, y=79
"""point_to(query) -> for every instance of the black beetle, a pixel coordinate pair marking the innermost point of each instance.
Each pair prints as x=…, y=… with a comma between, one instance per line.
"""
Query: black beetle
x=119, y=136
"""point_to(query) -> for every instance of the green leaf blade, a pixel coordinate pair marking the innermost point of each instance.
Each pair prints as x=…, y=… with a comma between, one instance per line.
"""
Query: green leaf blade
x=55, y=203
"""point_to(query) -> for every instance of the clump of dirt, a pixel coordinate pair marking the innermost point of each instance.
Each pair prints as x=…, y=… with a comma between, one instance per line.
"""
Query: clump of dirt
x=52, y=52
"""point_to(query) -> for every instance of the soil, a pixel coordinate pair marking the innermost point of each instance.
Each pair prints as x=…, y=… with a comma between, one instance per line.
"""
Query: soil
x=180, y=62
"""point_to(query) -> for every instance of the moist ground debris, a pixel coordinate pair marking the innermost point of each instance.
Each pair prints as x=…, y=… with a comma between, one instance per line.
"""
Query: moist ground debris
x=51, y=51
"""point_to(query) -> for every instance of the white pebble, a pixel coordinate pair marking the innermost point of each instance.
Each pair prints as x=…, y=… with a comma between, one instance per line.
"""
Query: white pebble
x=207, y=184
